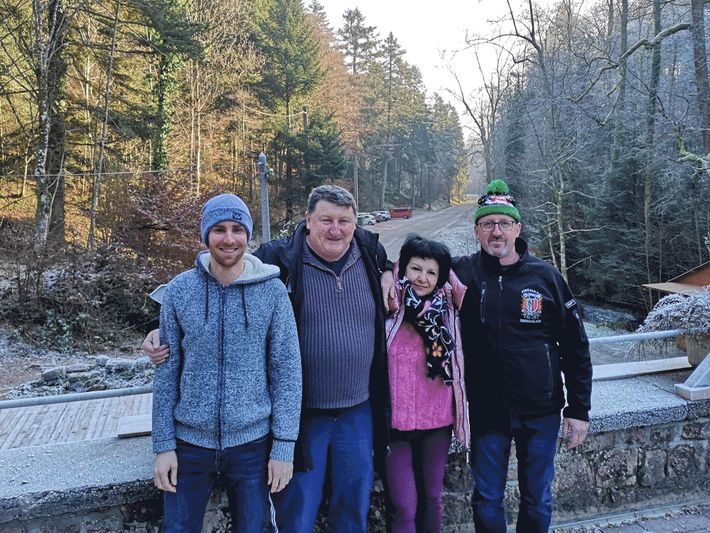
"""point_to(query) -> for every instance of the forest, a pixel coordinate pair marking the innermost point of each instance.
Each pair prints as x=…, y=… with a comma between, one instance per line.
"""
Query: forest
x=118, y=119
x=598, y=114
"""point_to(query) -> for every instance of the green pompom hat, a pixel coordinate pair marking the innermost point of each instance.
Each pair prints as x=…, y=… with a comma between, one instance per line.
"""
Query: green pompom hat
x=497, y=201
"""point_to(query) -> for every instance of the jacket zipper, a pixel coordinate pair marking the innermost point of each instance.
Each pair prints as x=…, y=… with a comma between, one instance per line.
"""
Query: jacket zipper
x=220, y=376
x=549, y=370
x=500, y=316
x=482, y=304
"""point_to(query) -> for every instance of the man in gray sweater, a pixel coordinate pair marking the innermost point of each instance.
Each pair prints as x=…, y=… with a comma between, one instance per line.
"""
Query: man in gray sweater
x=226, y=404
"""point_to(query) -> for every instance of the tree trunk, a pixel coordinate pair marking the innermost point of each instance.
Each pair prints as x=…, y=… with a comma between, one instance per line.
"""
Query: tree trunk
x=652, y=106
x=198, y=155
x=289, y=167
x=98, y=171
x=356, y=179
x=700, y=60
x=621, y=100
x=41, y=58
x=385, y=168
x=56, y=150
x=610, y=19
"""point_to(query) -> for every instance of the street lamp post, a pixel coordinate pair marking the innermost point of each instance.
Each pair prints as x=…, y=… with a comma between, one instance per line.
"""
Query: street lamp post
x=264, y=172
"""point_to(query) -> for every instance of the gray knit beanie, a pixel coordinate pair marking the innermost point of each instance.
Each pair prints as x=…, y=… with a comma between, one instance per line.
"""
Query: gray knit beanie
x=225, y=207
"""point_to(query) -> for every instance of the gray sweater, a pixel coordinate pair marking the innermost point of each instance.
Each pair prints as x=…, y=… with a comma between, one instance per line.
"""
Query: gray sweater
x=234, y=373
x=337, y=326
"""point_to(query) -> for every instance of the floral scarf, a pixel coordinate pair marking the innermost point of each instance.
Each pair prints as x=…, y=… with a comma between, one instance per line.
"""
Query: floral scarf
x=428, y=320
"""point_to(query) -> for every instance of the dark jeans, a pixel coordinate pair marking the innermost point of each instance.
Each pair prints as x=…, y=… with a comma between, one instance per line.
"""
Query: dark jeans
x=415, y=479
x=242, y=470
x=535, y=447
x=341, y=444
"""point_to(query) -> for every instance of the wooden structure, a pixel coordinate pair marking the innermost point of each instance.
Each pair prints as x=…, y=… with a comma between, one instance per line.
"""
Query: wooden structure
x=23, y=427
x=691, y=282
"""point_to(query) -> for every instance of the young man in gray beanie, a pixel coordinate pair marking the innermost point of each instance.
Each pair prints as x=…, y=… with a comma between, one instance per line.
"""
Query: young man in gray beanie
x=226, y=404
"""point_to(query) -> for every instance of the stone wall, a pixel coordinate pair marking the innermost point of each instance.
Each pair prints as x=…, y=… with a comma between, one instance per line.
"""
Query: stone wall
x=612, y=471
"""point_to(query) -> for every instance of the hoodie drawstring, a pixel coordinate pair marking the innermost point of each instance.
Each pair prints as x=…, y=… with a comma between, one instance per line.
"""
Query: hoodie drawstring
x=207, y=297
x=244, y=308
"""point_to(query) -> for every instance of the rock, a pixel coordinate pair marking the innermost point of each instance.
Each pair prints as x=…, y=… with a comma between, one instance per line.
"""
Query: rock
x=78, y=376
x=119, y=365
x=653, y=467
x=53, y=374
x=78, y=367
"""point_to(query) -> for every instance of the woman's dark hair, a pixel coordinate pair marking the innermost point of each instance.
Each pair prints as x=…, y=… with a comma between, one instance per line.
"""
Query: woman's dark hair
x=416, y=246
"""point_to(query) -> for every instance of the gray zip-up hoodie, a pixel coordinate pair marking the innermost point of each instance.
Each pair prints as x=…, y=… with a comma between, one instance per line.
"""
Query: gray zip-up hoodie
x=234, y=373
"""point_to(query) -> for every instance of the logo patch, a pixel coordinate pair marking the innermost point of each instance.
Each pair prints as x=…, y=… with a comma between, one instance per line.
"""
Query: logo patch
x=570, y=304
x=530, y=306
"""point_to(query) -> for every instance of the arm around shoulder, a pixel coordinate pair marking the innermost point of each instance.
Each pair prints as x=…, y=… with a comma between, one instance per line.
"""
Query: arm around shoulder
x=166, y=380
x=285, y=377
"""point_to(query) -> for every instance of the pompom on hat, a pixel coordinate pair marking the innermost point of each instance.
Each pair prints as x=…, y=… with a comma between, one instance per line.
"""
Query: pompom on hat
x=225, y=207
x=497, y=201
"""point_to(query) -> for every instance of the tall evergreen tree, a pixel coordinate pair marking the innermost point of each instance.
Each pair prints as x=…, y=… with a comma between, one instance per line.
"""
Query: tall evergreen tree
x=358, y=41
x=291, y=68
x=174, y=39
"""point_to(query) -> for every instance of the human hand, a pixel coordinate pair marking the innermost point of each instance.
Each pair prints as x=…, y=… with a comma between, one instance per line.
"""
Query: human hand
x=280, y=473
x=575, y=431
x=387, y=284
x=165, y=468
x=153, y=349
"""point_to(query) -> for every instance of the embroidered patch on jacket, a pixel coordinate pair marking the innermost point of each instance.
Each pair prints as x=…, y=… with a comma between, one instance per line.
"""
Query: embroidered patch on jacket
x=530, y=306
x=570, y=304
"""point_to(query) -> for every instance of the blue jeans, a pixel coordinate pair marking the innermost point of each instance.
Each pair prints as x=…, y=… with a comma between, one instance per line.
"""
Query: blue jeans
x=242, y=470
x=535, y=447
x=340, y=444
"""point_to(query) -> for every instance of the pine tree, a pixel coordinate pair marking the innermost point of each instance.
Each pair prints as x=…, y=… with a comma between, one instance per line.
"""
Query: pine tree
x=357, y=41
x=291, y=68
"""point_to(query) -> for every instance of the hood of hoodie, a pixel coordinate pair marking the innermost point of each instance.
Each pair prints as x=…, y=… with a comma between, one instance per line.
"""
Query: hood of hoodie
x=254, y=270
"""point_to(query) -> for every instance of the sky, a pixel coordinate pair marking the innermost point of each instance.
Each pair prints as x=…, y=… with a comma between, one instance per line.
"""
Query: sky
x=432, y=33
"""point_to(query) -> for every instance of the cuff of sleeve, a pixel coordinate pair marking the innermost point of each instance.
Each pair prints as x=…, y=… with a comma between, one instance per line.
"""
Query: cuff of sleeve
x=282, y=450
x=164, y=445
x=577, y=414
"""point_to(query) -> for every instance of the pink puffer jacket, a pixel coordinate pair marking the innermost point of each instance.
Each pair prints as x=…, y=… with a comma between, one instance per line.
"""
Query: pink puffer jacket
x=410, y=387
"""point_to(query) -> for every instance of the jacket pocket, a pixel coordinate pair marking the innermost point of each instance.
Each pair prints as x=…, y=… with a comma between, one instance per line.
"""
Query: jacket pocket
x=532, y=373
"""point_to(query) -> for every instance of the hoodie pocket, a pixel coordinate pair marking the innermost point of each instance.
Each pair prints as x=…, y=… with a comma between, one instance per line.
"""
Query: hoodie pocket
x=197, y=404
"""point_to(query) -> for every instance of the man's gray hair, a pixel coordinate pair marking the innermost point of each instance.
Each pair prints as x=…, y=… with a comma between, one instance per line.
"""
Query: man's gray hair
x=333, y=194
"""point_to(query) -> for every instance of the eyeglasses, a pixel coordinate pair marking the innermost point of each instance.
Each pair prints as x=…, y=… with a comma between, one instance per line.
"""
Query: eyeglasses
x=488, y=225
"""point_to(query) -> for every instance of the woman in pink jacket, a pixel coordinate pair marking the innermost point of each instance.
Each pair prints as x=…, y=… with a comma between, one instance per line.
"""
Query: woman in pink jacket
x=426, y=384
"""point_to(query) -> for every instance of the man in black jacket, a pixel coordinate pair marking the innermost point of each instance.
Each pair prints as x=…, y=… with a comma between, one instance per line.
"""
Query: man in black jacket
x=331, y=269
x=521, y=330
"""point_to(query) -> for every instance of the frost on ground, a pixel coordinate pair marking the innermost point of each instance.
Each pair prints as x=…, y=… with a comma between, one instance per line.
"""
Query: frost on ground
x=26, y=370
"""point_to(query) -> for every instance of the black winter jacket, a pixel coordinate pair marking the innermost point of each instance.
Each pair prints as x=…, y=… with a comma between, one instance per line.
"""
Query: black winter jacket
x=287, y=254
x=521, y=329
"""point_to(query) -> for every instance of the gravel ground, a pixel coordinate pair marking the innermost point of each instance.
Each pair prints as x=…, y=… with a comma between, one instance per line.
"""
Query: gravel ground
x=22, y=365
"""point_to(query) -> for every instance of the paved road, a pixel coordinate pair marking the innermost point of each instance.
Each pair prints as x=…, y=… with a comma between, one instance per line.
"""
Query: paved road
x=425, y=223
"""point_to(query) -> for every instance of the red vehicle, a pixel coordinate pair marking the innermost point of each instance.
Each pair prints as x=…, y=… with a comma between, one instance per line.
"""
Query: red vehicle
x=401, y=212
